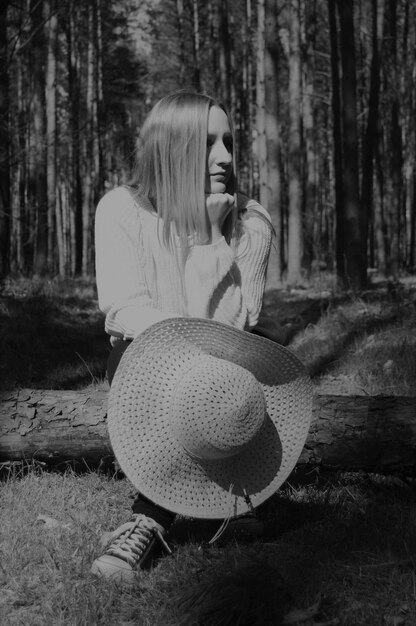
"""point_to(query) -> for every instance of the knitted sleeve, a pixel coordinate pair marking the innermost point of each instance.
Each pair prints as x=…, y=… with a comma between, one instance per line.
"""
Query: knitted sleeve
x=226, y=283
x=122, y=292
x=252, y=257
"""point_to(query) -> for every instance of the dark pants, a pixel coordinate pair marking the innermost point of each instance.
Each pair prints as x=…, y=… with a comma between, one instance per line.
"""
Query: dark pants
x=141, y=504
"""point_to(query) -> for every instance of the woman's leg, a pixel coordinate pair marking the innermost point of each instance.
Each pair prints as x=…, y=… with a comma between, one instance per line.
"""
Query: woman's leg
x=141, y=505
x=115, y=358
x=146, y=507
x=134, y=545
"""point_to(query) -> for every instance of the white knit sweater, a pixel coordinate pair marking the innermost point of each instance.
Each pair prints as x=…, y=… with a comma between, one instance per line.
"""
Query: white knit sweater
x=140, y=281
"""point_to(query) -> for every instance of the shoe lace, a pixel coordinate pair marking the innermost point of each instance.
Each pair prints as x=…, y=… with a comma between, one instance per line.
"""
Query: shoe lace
x=131, y=539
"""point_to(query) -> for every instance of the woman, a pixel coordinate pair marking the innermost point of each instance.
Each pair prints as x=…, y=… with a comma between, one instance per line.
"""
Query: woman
x=178, y=242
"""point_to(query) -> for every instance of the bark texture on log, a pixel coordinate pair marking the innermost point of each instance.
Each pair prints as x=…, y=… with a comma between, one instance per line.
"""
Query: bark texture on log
x=363, y=432
x=375, y=434
x=54, y=426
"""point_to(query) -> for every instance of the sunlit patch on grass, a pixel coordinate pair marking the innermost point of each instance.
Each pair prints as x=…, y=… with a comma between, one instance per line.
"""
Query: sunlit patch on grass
x=346, y=545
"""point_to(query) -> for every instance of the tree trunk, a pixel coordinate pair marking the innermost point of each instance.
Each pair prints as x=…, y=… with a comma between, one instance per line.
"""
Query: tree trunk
x=87, y=147
x=19, y=236
x=259, y=143
x=380, y=226
x=196, y=46
x=50, y=98
x=37, y=197
x=4, y=146
x=376, y=434
x=312, y=236
x=73, y=219
x=69, y=427
x=101, y=127
x=394, y=145
x=371, y=138
x=181, y=34
x=412, y=227
x=294, y=149
x=337, y=138
x=273, y=141
x=246, y=104
x=355, y=223
x=226, y=60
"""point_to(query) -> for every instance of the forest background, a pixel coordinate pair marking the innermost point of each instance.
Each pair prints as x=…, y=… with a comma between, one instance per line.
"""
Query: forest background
x=322, y=93
x=323, y=97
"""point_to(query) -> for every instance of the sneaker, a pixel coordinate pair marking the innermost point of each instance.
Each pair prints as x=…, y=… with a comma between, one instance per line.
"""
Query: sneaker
x=133, y=546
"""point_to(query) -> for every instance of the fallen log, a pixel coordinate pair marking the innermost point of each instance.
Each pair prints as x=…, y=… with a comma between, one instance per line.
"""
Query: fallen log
x=376, y=434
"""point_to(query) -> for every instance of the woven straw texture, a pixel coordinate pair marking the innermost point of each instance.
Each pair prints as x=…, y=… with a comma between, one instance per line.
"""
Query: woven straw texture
x=167, y=422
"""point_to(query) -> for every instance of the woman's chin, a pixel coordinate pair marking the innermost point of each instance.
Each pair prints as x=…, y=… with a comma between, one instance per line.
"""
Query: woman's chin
x=217, y=187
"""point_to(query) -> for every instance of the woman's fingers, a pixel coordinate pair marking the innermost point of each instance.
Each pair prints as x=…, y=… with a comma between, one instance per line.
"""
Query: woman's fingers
x=218, y=206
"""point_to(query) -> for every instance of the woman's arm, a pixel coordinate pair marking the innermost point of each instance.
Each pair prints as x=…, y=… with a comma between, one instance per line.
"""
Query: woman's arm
x=226, y=283
x=252, y=258
x=122, y=292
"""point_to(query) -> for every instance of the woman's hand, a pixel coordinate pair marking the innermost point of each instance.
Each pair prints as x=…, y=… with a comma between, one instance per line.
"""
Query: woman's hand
x=218, y=207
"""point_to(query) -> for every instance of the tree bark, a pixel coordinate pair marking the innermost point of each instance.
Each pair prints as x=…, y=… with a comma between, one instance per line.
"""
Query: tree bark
x=181, y=34
x=37, y=195
x=273, y=141
x=73, y=218
x=337, y=138
x=259, y=143
x=376, y=434
x=50, y=99
x=196, y=46
x=294, y=243
x=355, y=222
x=394, y=178
x=312, y=236
x=4, y=146
x=371, y=132
x=87, y=148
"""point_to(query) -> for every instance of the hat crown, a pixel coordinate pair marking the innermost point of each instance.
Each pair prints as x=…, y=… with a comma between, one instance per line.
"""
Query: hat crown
x=217, y=409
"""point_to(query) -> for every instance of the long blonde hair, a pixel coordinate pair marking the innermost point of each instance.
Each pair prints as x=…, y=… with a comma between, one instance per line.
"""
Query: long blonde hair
x=171, y=165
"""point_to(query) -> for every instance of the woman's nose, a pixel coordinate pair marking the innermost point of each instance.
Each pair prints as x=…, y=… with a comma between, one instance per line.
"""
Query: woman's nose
x=224, y=156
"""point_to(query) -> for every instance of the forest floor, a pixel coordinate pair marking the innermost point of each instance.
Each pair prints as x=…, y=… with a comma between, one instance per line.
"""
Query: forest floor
x=52, y=335
x=337, y=550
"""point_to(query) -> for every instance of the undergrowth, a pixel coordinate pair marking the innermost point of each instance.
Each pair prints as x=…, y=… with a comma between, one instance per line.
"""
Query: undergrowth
x=346, y=546
x=52, y=335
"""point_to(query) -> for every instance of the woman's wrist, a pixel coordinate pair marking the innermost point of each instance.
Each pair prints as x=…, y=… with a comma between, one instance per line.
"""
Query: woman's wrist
x=216, y=233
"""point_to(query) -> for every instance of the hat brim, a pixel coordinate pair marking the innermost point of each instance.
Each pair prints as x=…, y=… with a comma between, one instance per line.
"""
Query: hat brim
x=146, y=448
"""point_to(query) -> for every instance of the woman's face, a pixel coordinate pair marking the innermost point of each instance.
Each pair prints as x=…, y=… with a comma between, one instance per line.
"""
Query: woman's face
x=219, y=151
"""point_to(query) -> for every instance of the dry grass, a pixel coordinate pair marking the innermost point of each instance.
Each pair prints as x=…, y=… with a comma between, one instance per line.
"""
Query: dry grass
x=351, y=344
x=51, y=335
x=348, y=545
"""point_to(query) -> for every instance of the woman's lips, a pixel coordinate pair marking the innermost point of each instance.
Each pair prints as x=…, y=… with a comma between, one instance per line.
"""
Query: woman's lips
x=220, y=175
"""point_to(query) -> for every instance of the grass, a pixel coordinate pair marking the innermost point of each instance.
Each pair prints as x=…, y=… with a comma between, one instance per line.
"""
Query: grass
x=52, y=335
x=353, y=344
x=347, y=545
x=343, y=544
x=378, y=363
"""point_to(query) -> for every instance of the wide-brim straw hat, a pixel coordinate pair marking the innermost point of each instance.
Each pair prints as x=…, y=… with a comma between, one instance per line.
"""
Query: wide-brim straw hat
x=206, y=420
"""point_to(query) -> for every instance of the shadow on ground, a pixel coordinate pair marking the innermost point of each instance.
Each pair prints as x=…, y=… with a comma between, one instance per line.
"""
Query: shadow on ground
x=347, y=546
x=51, y=343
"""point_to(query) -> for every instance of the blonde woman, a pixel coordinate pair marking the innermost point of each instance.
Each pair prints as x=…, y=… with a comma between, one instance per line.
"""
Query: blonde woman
x=179, y=241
